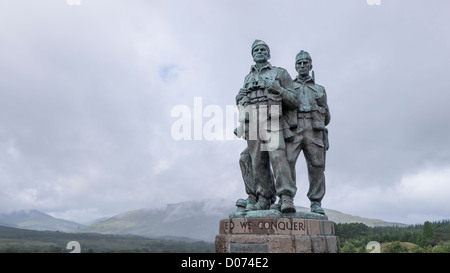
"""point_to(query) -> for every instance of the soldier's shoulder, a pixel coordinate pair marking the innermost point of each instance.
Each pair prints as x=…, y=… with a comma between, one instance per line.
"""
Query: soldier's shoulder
x=248, y=75
x=319, y=87
x=281, y=70
x=278, y=68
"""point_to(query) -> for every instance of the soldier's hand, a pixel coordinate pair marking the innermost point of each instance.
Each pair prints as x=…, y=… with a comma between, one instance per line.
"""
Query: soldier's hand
x=241, y=97
x=244, y=91
x=275, y=88
x=321, y=101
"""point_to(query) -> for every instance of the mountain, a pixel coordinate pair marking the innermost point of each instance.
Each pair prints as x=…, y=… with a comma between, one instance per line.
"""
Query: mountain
x=185, y=221
x=36, y=220
x=193, y=219
x=342, y=218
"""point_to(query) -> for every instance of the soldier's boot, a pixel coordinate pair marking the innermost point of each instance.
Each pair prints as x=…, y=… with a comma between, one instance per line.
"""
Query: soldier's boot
x=242, y=203
x=262, y=204
x=316, y=208
x=276, y=206
x=287, y=204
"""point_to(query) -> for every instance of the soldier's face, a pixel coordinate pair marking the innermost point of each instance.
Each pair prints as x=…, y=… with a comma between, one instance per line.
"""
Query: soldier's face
x=261, y=54
x=303, y=67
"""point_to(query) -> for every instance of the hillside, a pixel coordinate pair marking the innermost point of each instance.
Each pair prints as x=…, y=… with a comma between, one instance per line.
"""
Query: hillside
x=342, y=218
x=193, y=219
x=187, y=221
x=36, y=220
x=14, y=240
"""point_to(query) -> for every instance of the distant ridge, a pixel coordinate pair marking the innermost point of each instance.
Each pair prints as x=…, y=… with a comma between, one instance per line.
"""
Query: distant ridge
x=197, y=219
x=343, y=218
x=36, y=220
x=190, y=220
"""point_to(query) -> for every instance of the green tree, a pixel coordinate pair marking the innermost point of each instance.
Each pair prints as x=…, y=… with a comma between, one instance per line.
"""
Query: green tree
x=348, y=248
x=417, y=249
x=362, y=249
x=351, y=230
x=442, y=248
x=427, y=233
x=395, y=247
x=438, y=235
x=407, y=237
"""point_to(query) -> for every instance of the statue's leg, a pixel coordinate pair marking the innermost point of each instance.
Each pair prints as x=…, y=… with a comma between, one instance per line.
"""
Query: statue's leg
x=261, y=174
x=293, y=149
x=315, y=159
x=245, y=162
x=284, y=183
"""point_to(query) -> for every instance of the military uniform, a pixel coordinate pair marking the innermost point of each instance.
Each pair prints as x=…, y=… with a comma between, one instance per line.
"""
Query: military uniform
x=311, y=136
x=267, y=145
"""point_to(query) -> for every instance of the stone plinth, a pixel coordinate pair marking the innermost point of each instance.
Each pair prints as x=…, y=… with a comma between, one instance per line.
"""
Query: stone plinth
x=286, y=233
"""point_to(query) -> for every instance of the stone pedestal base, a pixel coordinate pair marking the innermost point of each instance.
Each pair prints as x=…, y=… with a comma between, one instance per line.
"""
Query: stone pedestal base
x=276, y=235
x=276, y=244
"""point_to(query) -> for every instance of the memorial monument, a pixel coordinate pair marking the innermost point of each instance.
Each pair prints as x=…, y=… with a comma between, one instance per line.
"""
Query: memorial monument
x=280, y=117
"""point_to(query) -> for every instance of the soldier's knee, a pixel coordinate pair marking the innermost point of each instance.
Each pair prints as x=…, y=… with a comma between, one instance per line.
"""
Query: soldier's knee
x=245, y=152
x=316, y=155
x=279, y=155
x=244, y=156
x=317, y=165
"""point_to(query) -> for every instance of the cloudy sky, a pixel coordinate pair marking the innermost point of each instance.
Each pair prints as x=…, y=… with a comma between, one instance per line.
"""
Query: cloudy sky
x=90, y=94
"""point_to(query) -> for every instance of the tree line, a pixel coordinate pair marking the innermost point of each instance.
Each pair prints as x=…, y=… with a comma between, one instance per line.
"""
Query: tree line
x=429, y=237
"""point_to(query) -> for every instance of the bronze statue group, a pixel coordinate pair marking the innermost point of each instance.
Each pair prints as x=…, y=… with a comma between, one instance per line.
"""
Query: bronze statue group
x=279, y=117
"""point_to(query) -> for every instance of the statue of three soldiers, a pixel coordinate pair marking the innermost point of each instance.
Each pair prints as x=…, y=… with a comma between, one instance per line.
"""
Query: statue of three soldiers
x=279, y=118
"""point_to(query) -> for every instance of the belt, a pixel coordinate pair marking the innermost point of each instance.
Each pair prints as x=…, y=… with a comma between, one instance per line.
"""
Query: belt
x=264, y=101
x=257, y=100
x=305, y=115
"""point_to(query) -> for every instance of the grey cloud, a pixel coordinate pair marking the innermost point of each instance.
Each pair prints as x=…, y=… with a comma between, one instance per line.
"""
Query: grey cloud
x=87, y=93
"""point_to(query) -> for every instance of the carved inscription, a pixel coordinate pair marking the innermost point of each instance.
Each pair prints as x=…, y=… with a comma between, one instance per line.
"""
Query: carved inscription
x=260, y=226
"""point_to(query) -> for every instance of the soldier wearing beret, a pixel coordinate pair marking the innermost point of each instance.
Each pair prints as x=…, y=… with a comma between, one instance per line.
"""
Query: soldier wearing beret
x=311, y=135
x=266, y=88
